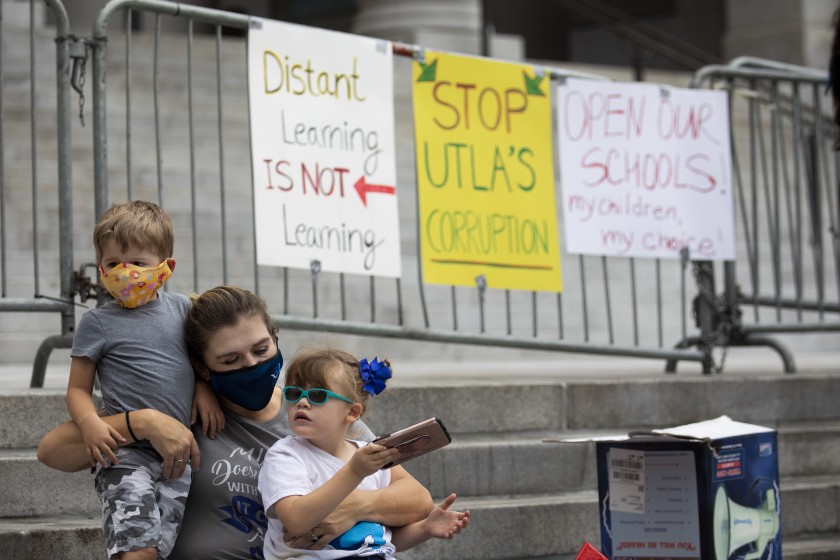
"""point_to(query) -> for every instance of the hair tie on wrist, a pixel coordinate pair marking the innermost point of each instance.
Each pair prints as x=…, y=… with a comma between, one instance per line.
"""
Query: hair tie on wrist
x=128, y=425
x=374, y=374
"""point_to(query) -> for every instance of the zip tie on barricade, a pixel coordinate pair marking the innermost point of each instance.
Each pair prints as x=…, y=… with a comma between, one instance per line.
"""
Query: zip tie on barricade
x=748, y=93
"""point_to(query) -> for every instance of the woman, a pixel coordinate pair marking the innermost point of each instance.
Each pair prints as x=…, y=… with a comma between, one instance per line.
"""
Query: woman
x=233, y=346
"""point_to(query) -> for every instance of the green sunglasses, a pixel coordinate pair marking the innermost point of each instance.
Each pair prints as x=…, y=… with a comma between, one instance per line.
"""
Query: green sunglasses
x=314, y=396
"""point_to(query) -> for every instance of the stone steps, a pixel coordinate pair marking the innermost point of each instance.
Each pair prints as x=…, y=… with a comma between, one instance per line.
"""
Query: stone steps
x=494, y=405
x=529, y=498
x=472, y=466
x=548, y=523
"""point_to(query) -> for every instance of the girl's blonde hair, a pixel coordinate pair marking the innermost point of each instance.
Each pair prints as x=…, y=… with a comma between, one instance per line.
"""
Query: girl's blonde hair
x=314, y=367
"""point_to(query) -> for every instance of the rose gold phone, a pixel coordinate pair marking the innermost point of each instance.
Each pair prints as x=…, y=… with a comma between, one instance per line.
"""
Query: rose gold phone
x=416, y=440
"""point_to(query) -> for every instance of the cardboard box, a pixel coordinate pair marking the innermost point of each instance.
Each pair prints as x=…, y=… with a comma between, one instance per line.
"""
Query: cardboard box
x=705, y=491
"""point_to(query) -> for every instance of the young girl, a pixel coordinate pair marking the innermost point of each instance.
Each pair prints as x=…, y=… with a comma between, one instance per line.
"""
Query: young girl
x=306, y=476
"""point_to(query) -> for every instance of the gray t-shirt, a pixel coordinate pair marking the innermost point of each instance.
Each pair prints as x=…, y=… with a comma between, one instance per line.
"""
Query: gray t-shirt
x=224, y=517
x=140, y=355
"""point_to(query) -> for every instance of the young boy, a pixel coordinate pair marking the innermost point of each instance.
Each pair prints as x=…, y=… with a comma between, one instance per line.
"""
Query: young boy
x=135, y=344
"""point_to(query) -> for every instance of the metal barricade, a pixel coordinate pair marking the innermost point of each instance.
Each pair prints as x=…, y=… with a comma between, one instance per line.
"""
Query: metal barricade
x=785, y=279
x=36, y=249
x=170, y=119
x=181, y=138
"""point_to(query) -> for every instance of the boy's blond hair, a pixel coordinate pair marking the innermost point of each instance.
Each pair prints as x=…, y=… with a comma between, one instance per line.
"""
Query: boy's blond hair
x=139, y=223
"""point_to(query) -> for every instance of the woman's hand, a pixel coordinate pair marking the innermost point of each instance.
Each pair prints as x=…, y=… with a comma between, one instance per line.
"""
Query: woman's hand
x=170, y=438
x=341, y=520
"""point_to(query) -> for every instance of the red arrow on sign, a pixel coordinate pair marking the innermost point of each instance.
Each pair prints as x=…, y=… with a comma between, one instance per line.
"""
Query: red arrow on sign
x=364, y=188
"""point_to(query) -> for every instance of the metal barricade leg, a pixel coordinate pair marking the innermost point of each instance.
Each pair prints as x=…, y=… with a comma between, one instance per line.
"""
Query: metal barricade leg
x=42, y=357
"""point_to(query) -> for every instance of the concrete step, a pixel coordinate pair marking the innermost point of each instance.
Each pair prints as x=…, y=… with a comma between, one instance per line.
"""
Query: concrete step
x=25, y=416
x=552, y=524
x=494, y=407
x=489, y=405
x=525, y=463
x=817, y=547
x=471, y=469
x=519, y=463
x=531, y=519
x=810, y=505
x=69, y=537
x=520, y=488
x=30, y=489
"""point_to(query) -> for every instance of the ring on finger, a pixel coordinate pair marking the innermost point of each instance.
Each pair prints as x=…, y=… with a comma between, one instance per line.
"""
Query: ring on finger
x=179, y=461
x=314, y=536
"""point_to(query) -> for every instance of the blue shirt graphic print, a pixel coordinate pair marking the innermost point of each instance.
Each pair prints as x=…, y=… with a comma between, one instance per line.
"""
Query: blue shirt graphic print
x=248, y=516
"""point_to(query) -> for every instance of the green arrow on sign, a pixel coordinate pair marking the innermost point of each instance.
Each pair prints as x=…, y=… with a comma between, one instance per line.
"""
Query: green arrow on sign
x=532, y=85
x=428, y=73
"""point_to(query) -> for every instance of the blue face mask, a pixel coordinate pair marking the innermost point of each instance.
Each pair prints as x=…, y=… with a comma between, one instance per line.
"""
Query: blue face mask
x=251, y=387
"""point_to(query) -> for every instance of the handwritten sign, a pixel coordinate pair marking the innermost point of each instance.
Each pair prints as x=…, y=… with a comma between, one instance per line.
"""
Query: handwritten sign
x=645, y=171
x=485, y=173
x=322, y=149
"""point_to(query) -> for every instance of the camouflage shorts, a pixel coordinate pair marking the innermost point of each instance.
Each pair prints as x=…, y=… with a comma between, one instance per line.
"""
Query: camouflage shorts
x=140, y=508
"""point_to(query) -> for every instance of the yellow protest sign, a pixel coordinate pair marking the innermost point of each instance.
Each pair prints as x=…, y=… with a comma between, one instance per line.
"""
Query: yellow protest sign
x=485, y=173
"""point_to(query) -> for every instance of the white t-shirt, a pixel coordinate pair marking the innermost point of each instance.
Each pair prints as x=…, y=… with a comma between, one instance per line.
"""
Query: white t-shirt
x=295, y=467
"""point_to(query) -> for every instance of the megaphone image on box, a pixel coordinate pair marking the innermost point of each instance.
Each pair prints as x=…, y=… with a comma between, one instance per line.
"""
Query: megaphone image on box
x=736, y=526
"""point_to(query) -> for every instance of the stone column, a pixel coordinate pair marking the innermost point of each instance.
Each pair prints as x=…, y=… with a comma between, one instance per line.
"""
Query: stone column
x=451, y=25
x=793, y=31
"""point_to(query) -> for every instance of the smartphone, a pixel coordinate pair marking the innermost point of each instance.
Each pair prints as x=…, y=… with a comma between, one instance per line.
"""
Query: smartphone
x=416, y=440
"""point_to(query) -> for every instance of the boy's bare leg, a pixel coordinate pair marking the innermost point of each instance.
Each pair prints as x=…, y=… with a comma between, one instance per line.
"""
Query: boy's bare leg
x=142, y=554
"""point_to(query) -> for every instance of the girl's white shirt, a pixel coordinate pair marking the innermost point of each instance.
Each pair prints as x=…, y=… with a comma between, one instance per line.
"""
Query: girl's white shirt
x=295, y=467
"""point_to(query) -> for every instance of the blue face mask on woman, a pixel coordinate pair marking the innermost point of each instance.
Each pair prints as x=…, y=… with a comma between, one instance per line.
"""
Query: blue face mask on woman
x=251, y=387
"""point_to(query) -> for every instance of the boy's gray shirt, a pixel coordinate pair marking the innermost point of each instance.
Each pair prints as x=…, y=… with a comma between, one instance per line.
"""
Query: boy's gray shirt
x=140, y=354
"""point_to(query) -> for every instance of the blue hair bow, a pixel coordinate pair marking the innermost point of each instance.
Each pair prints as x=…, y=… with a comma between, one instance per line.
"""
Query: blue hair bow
x=374, y=374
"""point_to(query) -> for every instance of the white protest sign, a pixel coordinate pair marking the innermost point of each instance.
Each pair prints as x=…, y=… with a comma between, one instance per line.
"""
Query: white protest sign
x=322, y=149
x=645, y=170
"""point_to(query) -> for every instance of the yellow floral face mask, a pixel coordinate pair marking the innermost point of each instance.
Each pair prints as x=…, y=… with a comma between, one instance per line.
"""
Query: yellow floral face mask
x=133, y=286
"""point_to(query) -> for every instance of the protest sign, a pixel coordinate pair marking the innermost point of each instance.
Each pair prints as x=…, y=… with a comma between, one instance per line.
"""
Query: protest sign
x=322, y=148
x=485, y=173
x=645, y=170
